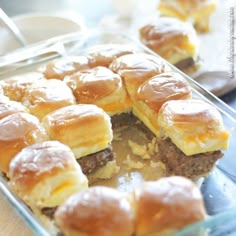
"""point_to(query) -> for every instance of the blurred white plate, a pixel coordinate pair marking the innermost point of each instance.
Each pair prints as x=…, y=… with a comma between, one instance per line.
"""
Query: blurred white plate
x=38, y=27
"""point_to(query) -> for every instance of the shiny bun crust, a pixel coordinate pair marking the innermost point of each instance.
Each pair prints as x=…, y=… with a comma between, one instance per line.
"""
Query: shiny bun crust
x=45, y=174
x=85, y=128
x=18, y=131
x=196, y=11
x=171, y=38
x=153, y=93
x=102, y=87
x=167, y=205
x=104, y=54
x=47, y=96
x=14, y=87
x=64, y=66
x=96, y=211
x=136, y=68
x=8, y=107
x=194, y=126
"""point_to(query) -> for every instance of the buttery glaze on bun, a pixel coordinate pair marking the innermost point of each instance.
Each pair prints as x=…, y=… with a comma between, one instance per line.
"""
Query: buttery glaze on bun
x=104, y=54
x=86, y=129
x=166, y=206
x=45, y=174
x=196, y=11
x=102, y=87
x=172, y=39
x=47, y=96
x=61, y=67
x=15, y=87
x=194, y=126
x=8, y=107
x=193, y=134
x=18, y=131
x=99, y=211
x=136, y=68
x=153, y=93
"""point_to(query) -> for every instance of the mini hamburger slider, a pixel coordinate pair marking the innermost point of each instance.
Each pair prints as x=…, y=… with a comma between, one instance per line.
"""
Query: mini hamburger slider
x=104, y=54
x=45, y=174
x=15, y=87
x=86, y=129
x=156, y=91
x=193, y=137
x=174, y=40
x=18, y=131
x=137, y=68
x=59, y=68
x=197, y=12
x=102, y=87
x=47, y=96
x=99, y=211
x=166, y=206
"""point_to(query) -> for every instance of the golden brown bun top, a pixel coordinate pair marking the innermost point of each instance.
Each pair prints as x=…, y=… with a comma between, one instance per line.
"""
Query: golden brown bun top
x=14, y=87
x=8, y=107
x=167, y=204
x=191, y=112
x=104, y=54
x=38, y=161
x=163, y=87
x=138, y=65
x=94, y=84
x=75, y=115
x=59, y=68
x=165, y=30
x=18, y=131
x=20, y=126
x=96, y=211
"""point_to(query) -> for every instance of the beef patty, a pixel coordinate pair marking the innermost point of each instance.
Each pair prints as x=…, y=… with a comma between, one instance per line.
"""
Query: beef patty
x=90, y=163
x=177, y=163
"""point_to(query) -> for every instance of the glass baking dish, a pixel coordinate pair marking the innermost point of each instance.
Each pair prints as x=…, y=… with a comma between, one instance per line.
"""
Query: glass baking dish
x=219, y=189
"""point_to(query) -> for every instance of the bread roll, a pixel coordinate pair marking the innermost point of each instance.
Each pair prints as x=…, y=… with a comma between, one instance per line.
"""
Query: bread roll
x=8, y=107
x=45, y=174
x=166, y=206
x=156, y=91
x=196, y=11
x=99, y=211
x=67, y=65
x=194, y=126
x=136, y=68
x=43, y=98
x=172, y=39
x=18, y=131
x=102, y=87
x=85, y=128
x=104, y=54
x=14, y=87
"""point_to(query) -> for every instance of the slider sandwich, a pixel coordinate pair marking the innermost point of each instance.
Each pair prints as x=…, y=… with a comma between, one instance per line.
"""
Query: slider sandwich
x=137, y=68
x=18, y=130
x=15, y=87
x=156, y=91
x=44, y=175
x=47, y=96
x=102, y=87
x=174, y=40
x=86, y=129
x=104, y=54
x=197, y=12
x=59, y=68
x=193, y=136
